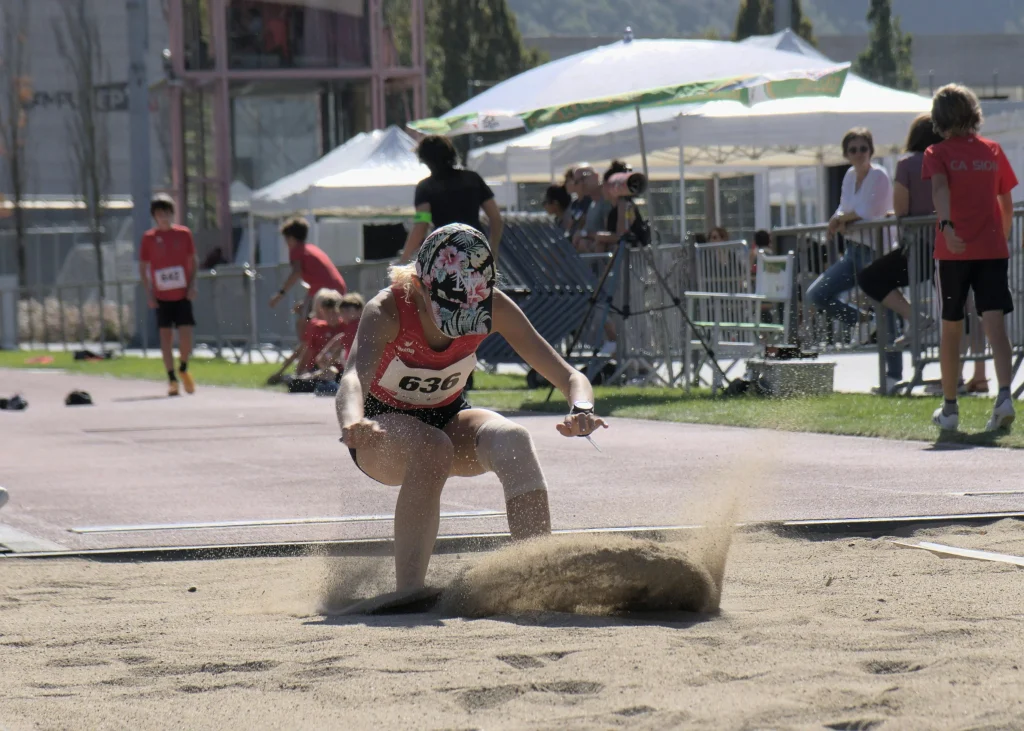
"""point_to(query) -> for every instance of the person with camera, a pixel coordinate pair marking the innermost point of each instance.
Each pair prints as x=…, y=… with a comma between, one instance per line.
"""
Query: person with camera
x=624, y=219
x=450, y=194
x=402, y=408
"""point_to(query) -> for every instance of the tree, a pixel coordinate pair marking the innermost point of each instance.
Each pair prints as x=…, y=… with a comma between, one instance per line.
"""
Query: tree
x=887, y=59
x=15, y=95
x=78, y=44
x=467, y=41
x=757, y=18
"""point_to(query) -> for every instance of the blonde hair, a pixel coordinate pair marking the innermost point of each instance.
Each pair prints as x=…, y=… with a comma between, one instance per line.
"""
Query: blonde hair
x=404, y=277
x=956, y=111
x=328, y=299
x=353, y=299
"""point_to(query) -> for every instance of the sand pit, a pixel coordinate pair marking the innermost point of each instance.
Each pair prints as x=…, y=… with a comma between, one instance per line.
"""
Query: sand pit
x=846, y=633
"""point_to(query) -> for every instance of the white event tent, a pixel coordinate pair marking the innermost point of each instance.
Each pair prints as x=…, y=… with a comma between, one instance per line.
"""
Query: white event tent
x=373, y=173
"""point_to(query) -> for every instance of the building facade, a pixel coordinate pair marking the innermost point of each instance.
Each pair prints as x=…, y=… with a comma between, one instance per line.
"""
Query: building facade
x=241, y=91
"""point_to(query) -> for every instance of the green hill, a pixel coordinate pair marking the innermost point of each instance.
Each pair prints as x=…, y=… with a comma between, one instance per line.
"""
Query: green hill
x=695, y=17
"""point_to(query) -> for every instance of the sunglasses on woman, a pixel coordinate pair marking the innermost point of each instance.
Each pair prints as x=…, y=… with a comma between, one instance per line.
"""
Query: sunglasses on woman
x=857, y=150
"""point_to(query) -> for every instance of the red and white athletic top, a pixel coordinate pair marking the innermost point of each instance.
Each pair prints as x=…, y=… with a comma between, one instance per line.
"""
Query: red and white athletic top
x=411, y=374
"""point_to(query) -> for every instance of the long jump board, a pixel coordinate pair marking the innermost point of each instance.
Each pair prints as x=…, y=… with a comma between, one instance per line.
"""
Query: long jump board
x=969, y=553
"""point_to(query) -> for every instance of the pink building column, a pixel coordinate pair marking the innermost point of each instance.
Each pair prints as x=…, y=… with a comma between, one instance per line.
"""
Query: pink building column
x=222, y=123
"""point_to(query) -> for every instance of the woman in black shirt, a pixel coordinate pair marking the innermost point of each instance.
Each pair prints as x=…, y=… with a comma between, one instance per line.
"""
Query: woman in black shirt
x=450, y=195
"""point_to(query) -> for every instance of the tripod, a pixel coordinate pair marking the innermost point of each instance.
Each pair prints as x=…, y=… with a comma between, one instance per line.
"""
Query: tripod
x=605, y=290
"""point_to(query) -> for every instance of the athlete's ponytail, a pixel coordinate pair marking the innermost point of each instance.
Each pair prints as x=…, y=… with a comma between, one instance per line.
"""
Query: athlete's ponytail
x=404, y=276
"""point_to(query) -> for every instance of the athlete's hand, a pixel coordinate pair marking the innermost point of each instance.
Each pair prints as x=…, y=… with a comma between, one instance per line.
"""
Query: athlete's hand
x=361, y=434
x=954, y=243
x=152, y=302
x=193, y=292
x=580, y=425
x=275, y=299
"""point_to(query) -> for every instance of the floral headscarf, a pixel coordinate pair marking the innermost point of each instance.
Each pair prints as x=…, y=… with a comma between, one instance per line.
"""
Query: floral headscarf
x=457, y=268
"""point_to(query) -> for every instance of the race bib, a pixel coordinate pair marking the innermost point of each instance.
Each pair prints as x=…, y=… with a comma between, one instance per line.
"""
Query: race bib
x=425, y=387
x=169, y=278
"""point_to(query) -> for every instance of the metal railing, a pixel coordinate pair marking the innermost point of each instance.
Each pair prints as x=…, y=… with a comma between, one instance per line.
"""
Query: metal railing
x=232, y=306
x=816, y=251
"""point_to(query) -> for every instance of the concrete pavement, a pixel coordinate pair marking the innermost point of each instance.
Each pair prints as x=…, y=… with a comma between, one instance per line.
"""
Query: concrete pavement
x=136, y=457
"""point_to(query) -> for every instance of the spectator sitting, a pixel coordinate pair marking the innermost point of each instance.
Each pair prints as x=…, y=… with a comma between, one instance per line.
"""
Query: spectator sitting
x=912, y=196
x=762, y=242
x=595, y=220
x=867, y=195
x=332, y=359
x=557, y=203
x=320, y=330
x=718, y=235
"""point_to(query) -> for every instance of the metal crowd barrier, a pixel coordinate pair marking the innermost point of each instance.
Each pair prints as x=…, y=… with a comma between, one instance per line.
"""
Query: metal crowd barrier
x=539, y=268
x=816, y=251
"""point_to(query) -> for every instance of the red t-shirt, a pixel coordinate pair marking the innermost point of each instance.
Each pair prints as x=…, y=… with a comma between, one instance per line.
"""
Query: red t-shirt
x=348, y=333
x=411, y=374
x=977, y=171
x=317, y=270
x=316, y=337
x=171, y=257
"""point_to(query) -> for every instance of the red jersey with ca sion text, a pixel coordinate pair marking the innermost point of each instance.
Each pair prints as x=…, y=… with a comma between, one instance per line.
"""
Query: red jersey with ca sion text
x=412, y=375
x=977, y=172
x=170, y=256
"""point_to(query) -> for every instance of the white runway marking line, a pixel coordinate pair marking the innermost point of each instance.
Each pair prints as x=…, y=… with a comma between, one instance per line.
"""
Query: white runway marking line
x=272, y=522
x=987, y=493
x=16, y=541
x=952, y=551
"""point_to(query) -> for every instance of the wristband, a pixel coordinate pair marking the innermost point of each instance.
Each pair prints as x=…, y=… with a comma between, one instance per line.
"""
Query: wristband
x=280, y=292
x=423, y=217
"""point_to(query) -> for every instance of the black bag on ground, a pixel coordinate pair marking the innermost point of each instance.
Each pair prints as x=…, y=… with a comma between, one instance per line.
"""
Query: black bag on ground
x=78, y=398
x=14, y=403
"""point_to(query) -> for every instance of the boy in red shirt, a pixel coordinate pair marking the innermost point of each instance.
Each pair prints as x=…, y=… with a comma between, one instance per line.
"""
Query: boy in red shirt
x=310, y=265
x=971, y=184
x=167, y=268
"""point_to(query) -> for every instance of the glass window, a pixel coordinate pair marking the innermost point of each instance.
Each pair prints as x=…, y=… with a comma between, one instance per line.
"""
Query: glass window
x=736, y=201
x=298, y=34
x=274, y=134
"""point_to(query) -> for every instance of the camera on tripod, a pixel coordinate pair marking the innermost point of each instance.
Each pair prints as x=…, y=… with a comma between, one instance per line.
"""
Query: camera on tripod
x=626, y=185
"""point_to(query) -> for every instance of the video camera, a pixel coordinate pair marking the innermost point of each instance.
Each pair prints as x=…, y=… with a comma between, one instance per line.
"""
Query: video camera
x=626, y=185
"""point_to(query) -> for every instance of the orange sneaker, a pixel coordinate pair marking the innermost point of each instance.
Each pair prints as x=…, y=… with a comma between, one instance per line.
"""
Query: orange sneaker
x=172, y=388
x=187, y=382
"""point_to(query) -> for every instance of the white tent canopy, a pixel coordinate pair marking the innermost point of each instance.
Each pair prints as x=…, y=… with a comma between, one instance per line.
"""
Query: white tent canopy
x=727, y=136
x=374, y=172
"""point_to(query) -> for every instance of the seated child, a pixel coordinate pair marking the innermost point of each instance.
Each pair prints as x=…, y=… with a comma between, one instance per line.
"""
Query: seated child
x=320, y=330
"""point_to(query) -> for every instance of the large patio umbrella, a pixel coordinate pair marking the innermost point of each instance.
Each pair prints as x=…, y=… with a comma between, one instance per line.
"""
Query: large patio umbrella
x=637, y=74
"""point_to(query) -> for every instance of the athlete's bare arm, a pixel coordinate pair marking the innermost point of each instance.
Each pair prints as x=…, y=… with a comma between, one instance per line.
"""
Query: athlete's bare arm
x=377, y=327
x=514, y=326
x=417, y=235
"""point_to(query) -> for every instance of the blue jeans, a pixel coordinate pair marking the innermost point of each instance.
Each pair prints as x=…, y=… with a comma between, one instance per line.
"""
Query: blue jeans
x=842, y=277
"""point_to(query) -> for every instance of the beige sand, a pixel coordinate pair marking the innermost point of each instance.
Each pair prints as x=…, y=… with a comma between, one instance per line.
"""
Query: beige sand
x=844, y=634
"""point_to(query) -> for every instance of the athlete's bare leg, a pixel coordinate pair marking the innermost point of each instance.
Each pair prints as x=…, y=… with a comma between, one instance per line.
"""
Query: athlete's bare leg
x=509, y=454
x=167, y=348
x=419, y=458
x=184, y=344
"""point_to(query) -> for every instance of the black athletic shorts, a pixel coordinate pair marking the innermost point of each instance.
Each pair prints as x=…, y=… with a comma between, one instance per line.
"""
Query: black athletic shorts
x=174, y=313
x=987, y=278
x=892, y=271
x=437, y=417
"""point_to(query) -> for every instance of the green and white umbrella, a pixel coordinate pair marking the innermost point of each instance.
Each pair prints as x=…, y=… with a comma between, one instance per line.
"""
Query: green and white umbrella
x=640, y=74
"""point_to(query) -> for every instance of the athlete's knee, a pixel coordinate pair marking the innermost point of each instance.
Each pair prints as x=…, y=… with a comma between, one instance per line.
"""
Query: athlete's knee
x=506, y=449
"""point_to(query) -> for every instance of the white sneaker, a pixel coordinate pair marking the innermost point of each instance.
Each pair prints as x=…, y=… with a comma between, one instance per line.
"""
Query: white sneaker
x=3, y=497
x=890, y=387
x=1002, y=416
x=946, y=422
x=609, y=348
